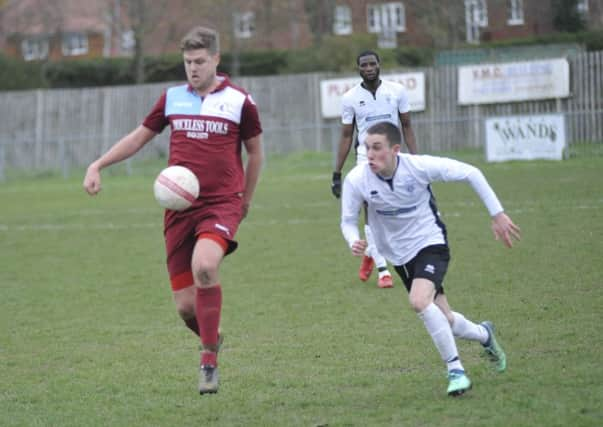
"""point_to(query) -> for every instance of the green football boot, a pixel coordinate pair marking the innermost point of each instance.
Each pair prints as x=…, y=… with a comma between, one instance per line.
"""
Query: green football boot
x=458, y=383
x=493, y=348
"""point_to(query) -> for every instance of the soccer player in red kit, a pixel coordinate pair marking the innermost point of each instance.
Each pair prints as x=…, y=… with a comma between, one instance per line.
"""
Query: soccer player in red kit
x=210, y=119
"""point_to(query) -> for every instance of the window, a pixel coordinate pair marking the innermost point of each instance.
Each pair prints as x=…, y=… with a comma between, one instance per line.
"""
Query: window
x=74, y=44
x=127, y=42
x=515, y=12
x=582, y=6
x=34, y=48
x=476, y=17
x=386, y=17
x=342, y=22
x=244, y=24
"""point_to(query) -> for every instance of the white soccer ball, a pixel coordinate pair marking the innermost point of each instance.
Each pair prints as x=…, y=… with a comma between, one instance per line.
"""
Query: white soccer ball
x=176, y=188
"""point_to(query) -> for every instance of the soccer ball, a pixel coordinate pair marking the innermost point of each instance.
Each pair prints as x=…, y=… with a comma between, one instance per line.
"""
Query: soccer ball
x=176, y=188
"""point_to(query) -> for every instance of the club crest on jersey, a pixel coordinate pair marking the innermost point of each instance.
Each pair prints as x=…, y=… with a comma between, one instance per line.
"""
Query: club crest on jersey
x=409, y=185
x=225, y=107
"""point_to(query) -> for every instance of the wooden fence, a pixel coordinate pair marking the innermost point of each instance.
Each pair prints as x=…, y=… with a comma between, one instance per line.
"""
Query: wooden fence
x=61, y=129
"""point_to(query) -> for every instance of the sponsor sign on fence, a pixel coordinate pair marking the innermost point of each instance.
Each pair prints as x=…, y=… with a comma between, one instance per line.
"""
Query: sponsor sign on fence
x=525, y=137
x=513, y=81
x=331, y=91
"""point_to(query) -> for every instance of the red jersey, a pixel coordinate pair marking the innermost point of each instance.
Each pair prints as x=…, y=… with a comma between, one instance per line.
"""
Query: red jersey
x=207, y=132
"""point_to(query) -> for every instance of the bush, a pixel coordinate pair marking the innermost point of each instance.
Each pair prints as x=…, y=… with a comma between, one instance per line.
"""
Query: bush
x=167, y=68
x=20, y=75
x=255, y=63
x=88, y=72
x=591, y=40
x=414, y=57
x=336, y=54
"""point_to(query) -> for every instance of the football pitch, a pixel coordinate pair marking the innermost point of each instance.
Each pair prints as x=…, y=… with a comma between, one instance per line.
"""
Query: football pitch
x=89, y=335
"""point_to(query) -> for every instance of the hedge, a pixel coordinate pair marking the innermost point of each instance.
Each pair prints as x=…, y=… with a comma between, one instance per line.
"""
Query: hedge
x=336, y=54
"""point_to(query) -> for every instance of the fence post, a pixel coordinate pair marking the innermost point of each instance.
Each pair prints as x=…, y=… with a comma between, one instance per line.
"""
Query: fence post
x=63, y=157
x=315, y=105
x=476, y=124
x=2, y=176
x=39, y=128
x=334, y=144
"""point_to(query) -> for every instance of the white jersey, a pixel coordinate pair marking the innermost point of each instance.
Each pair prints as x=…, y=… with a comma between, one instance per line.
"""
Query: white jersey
x=360, y=105
x=402, y=211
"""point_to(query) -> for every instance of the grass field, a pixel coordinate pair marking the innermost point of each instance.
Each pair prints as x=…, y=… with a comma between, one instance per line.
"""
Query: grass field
x=89, y=335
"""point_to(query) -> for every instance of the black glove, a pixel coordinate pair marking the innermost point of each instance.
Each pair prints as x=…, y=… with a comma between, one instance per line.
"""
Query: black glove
x=336, y=184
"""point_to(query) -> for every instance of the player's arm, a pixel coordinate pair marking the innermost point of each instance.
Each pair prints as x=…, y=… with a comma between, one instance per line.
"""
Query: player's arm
x=351, y=202
x=255, y=158
x=345, y=143
x=502, y=226
x=444, y=169
x=123, y=149
x=409, y=135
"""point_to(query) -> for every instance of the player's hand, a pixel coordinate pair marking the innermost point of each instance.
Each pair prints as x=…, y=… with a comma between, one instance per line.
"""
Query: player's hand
x=245, y=208
x=358, y=247
x=92, y=180
x=504, y=229
x=336, y=184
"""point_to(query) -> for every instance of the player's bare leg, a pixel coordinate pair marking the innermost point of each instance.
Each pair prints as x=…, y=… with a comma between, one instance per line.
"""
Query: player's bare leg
x=185, y=305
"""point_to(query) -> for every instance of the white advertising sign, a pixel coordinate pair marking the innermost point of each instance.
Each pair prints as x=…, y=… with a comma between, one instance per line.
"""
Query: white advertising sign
x=513, y=81
x=331, y=91
x=525, y=137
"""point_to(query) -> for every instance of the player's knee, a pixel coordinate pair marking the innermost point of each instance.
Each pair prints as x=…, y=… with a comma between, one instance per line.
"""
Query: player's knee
x=206, y=273
x=418, y=302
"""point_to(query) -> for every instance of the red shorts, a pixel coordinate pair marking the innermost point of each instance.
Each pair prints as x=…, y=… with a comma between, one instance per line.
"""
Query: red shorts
x=219, y=216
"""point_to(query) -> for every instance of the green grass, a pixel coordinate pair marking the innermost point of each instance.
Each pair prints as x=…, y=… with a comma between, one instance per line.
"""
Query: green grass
x=89, y=335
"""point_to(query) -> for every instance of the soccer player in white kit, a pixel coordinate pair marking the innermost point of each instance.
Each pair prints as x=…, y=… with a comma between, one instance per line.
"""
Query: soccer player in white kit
x=408, y=231
x=371, y=101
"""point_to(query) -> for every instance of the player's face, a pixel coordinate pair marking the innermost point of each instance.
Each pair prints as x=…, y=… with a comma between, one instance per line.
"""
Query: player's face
x=381, y=155
x=368, y=67
x=200, y=67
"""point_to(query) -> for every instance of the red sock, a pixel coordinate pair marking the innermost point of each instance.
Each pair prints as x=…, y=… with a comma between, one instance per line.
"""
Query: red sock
x=209, y=306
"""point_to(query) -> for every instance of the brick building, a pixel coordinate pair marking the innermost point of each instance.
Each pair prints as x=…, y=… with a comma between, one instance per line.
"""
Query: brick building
x=62, y=29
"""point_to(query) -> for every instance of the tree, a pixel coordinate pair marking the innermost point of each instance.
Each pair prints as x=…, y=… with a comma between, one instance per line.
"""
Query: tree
x=567, y=17
x=320, y=18
x=143, y=16
x=446, y=25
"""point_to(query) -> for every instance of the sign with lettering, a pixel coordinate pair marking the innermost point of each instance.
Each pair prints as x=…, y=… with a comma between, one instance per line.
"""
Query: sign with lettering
x=513, y=81
x=525, y=137
x=331, y=91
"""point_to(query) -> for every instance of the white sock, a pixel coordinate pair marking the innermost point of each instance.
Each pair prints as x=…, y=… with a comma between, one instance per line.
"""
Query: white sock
x=369, y=240
x=466, y=329
x=438, y=327
x=371, y=250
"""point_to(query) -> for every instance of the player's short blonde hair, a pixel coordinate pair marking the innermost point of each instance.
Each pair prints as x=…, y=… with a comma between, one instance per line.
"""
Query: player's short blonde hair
x=201, y=38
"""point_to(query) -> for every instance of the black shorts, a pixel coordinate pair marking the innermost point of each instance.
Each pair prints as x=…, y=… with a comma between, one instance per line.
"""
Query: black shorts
x=430, y=263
